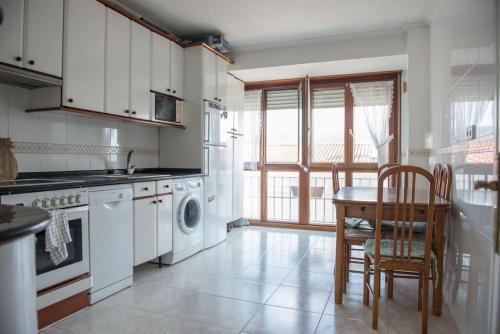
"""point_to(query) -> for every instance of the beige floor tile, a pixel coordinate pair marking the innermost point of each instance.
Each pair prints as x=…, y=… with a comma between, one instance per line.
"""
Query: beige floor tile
x=277, y=320
x=310, y=280
x=308, y=300
x=266, y=274
x=252, y=291
x=338, y=325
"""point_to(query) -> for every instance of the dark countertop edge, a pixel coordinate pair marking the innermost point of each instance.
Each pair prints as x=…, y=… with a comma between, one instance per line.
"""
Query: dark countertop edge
x=91, y=183
x=11, y=235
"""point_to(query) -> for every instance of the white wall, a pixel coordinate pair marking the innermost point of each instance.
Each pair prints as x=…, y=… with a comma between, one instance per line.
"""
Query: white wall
x=358, y=46
x=71, y=142
x=463, y=70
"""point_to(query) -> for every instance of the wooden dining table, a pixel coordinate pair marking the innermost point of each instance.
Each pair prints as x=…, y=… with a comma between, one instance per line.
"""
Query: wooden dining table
x=361, y=202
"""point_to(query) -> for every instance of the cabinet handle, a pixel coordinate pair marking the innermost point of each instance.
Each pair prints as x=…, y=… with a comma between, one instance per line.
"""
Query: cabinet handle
x=127, y=111
x=160, y=201
x=31, y=62
x=167, y=186
x=133, y=112
x=70, y=100
x=168, y=89
x=154, y=202
x=145, y=189
x=215, y=98
x=174, y=91
x=18, y=58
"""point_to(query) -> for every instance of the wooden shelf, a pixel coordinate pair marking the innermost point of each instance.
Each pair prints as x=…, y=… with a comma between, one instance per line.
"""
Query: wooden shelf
x=106, y=115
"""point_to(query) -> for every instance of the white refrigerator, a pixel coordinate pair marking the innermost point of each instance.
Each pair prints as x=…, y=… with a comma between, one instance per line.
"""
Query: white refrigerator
x=218, y=160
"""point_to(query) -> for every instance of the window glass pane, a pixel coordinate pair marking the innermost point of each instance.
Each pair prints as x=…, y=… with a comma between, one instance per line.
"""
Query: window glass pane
x=251, y=194
x=282, y=126
x=283, y=196
x=321, y=208
x=364, y=179
x=249, y=125
x=364, y=149
x=328, y=125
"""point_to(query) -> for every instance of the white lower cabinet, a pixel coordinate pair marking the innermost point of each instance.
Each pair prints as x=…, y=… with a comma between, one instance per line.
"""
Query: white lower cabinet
x=164, y=224
x=144, y=230
x=153, y=220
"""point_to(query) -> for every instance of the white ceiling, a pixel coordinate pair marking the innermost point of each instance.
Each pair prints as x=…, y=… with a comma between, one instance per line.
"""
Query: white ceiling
x=351, y=66
x=259, y=22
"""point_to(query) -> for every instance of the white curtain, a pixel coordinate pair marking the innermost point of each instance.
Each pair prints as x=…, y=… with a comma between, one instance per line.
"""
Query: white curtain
x=374, y=99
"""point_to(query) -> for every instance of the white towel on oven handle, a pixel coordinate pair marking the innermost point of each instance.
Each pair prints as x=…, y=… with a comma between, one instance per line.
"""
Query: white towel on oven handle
x=57, y=235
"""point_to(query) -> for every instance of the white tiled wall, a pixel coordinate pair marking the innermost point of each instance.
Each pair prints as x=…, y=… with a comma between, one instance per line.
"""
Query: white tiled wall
x=64, y=128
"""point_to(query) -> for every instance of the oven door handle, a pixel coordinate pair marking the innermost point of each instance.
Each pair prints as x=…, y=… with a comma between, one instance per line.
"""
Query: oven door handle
x=77, y=209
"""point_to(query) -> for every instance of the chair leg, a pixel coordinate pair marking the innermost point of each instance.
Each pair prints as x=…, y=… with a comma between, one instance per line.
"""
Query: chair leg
x=348, y=264
x=390, y=283
x=366, y=281
x=420, y=279
x=376, y=300
x=346, y=268
x=425, y=301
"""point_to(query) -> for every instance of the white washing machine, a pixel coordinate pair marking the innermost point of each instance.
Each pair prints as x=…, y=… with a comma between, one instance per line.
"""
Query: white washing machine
x=187, y=197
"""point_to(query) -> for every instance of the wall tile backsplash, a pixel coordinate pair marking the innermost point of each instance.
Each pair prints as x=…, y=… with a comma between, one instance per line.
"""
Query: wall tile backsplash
x=59, y=141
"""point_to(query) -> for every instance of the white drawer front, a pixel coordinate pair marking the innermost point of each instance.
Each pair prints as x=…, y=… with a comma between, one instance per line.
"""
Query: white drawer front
x=163, y=186
x=144, y=189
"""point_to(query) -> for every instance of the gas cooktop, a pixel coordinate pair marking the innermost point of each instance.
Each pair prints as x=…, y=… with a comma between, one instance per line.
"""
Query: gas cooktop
x=34, y=182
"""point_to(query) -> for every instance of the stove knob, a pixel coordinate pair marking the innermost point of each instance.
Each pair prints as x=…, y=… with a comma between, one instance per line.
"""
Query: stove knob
x=71, y=199
x=78, y=198
x=54, y=201
x=46, y=202
x=62, y=200
x=36, y=203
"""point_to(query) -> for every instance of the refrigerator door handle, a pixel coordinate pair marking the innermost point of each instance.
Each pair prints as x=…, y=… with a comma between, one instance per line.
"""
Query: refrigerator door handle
x=214, y=145
x=211, y=198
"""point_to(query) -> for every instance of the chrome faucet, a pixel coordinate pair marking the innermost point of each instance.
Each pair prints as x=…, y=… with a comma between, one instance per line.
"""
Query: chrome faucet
x=130, y=168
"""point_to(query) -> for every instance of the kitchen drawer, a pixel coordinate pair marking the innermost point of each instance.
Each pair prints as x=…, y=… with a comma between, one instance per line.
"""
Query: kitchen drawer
x=163, y=186
x=144, y=189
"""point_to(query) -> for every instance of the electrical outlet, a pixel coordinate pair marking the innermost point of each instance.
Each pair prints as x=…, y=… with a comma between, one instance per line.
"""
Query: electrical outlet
x=470, y=132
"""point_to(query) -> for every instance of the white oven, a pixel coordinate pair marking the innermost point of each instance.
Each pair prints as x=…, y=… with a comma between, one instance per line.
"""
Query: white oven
x=47, y=273
x=75, y=203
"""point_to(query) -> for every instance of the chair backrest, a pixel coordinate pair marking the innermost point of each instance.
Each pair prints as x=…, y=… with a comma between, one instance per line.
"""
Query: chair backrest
x=390, y=182
x=403, y=198
x=335, y=178
x=445, y=179
x=437, y=177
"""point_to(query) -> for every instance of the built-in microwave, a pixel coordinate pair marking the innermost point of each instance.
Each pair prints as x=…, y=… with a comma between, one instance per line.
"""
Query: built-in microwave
x=166, y=108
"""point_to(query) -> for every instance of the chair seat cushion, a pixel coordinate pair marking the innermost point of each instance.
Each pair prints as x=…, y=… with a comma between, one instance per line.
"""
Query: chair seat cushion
x=353, y=222
x=386, y=248
x=388, y=225
x=359, y=234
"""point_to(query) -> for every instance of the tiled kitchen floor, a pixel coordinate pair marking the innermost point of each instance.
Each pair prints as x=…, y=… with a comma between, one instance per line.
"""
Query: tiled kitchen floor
x=262, y=280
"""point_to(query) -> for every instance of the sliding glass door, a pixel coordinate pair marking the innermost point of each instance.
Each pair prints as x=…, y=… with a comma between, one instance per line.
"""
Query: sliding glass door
x=304, y=127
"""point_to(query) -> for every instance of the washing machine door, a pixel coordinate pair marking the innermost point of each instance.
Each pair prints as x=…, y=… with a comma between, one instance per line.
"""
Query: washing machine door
x=189, y=215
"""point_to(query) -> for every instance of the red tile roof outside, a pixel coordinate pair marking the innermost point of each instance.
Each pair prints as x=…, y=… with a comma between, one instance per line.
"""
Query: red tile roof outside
x=321, y=153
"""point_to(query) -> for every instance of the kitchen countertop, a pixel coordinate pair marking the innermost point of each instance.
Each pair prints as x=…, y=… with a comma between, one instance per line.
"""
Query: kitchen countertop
x=19, y=221
x=84, y=179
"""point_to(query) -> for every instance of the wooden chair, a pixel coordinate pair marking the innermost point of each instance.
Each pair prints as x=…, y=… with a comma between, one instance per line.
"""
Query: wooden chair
x=402, y=252
x=357, y=231
x=442, y=189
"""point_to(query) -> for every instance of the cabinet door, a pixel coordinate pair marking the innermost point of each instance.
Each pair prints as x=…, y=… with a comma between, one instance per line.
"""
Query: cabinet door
x=43, y=35
x=160, y=64
x=177, y=70
x=11, y=32
x=117, y=63
x=140, y=67
x=221, y=80
x=83, y=61
x=209, y=75
x=144, y=230
x=164, y=218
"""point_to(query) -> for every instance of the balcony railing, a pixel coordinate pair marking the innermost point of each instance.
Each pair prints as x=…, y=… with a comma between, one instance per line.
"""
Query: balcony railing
x=283, y=195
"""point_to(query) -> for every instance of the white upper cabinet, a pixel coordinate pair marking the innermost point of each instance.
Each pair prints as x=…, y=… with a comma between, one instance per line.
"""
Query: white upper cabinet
x=43, y=35
x=160, y=64
x=209, y=75
x=83, y=61
x=221, y=65
x=177, y=70
x=11, y=32
x=117, y=63
x=140, y=67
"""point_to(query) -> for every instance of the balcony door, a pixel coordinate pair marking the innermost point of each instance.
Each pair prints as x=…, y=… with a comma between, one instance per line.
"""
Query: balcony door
x=303, y=128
